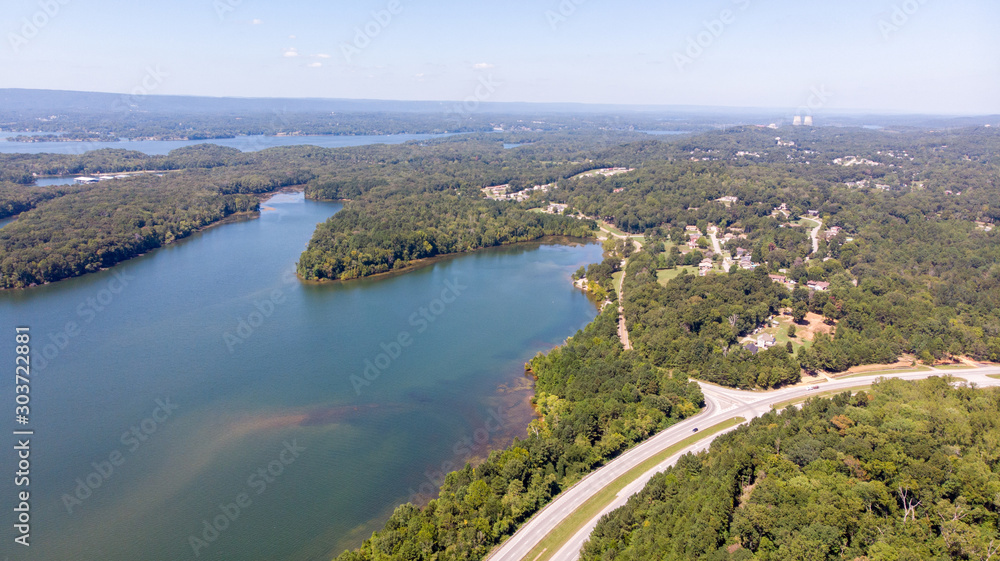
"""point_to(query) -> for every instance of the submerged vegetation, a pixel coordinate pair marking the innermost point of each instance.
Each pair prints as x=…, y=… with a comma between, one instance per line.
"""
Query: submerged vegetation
x=595, y=400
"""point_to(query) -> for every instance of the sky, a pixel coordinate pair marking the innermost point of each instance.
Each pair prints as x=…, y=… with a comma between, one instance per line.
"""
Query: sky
x=907, y=56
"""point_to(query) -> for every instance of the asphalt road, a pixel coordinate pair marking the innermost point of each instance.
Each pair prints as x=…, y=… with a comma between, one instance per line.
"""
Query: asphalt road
x=721, y=405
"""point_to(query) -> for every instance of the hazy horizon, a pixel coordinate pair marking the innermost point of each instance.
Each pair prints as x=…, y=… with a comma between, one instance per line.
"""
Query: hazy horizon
x=891, y=57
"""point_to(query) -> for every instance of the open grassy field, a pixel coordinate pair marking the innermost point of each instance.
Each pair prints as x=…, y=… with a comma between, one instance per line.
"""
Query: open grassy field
x=663, y=276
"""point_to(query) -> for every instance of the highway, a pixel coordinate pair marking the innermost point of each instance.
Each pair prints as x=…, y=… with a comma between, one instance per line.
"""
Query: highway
x=721, y=405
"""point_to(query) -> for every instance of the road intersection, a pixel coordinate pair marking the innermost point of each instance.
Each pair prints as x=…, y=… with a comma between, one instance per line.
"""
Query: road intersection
x=721, y=405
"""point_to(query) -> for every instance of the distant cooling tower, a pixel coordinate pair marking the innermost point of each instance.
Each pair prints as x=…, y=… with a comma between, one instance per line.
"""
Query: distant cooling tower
x=808, y=121
x=797, y=122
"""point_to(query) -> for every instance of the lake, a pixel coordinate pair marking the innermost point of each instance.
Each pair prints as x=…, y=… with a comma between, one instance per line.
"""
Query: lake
x=243, y=143
x=203, y=384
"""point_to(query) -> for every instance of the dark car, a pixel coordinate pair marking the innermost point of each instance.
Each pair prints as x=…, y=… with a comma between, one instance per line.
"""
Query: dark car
x=694, y=429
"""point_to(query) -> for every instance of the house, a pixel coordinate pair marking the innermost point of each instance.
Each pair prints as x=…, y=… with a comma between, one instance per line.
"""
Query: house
x=705, y=266
x=766, y=341
x=752, y=347
x=832, y=233
x=693, y=240
x=556, y=208
x=619, y=190
x=813, y=213
x=778, y=278
x=728, y=200
x=497, y=192
x=692, y=229
x=87, y=180
x=818, y=285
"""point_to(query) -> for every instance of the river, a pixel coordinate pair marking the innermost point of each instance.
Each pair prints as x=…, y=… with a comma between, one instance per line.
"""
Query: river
x=162, y=386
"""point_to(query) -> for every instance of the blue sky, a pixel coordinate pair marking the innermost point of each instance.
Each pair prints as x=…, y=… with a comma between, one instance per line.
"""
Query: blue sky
x=927, y=56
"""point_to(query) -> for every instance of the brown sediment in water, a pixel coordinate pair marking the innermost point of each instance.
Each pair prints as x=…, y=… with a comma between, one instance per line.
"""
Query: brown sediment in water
x=510, y=408
x=334, y=415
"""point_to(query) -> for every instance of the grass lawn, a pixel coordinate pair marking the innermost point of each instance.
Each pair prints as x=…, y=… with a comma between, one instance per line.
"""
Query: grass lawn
x=663, y=276
x=611, y=229
x=616, y=278
x=781, y=334
x=888, y=371
x=830, y=393
x=551, y=543
x=953, y=367
x=994, y=376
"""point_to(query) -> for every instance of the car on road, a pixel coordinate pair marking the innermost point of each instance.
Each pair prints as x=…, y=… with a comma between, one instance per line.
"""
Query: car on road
x=694, y=429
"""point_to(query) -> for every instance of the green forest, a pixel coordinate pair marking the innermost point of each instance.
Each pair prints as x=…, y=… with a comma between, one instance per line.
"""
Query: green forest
x=905, y=472
x=914, y=270
x=388, y=232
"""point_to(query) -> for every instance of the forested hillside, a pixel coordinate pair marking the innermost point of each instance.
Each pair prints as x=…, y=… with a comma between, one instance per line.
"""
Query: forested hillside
x=693, y=325
x=97, y=228
x=906, y=472
x=387, y=232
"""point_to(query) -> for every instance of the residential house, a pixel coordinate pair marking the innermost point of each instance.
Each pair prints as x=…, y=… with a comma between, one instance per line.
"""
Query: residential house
x=766, y=341
x=818, y=285
x=705, y=266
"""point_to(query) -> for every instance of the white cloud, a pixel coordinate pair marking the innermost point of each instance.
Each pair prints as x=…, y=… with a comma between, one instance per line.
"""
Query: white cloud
x=322, y=55
x=482, y=66
x=291, y=37
x=291, y=52
x=315, y=64
x=257, y=22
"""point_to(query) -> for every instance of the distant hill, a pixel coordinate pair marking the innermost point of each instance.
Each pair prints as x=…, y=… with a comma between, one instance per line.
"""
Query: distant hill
x=20, y=104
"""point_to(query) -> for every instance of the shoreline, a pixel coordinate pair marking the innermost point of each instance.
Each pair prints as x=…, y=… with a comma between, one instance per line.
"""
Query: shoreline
x=230, y=219
x=426, y=261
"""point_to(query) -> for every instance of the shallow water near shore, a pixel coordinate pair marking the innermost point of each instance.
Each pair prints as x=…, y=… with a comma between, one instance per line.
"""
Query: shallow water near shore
x=202, y=398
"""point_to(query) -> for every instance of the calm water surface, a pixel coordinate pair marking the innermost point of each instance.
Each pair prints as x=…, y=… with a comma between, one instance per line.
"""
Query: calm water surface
x=255, y=370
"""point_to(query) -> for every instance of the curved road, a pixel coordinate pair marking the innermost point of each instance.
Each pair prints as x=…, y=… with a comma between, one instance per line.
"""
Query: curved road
x=815, y=233
x=722, y=404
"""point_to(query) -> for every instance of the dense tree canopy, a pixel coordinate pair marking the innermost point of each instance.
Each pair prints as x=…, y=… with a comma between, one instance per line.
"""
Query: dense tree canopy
x=905, y=472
